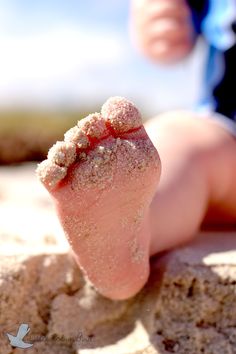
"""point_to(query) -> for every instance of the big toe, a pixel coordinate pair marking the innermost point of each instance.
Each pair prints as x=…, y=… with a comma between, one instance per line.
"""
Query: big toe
x=121, y=115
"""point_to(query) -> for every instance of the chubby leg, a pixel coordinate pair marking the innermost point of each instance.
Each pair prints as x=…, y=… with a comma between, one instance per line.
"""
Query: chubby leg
x=198, y=177
x=104, y=180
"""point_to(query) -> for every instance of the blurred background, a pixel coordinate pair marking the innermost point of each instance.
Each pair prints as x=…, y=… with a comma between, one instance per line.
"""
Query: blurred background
x=62, y=59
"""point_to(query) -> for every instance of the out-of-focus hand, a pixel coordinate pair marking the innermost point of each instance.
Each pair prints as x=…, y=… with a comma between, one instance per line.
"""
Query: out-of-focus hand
x=163, y=29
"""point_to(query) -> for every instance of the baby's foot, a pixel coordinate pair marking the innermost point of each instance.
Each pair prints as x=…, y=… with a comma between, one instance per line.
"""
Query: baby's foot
x=103, y=178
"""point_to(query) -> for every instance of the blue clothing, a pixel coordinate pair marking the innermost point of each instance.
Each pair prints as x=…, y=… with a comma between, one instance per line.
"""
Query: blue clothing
x=215, y=20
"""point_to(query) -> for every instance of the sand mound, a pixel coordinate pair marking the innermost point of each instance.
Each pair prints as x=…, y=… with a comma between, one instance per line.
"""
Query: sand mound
x=188, y=305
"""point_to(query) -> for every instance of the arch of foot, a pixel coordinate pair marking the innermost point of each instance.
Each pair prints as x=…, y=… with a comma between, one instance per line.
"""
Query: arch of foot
x=118, y=116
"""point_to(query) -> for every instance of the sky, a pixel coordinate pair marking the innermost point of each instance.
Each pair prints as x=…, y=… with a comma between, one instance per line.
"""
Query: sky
x=75, y=53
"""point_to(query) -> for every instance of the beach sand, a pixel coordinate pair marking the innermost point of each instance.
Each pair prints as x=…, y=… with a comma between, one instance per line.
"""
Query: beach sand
x=187, y=306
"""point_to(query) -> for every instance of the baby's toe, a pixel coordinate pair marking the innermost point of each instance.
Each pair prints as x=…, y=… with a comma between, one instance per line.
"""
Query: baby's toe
x=94, y=126
x=121, y=115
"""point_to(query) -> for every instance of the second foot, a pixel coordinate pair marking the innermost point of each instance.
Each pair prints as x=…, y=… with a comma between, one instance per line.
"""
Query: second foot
x=103, y=178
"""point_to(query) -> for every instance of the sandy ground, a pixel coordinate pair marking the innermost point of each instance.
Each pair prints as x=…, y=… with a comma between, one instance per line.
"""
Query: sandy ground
x=27, y=216
x=188, y=305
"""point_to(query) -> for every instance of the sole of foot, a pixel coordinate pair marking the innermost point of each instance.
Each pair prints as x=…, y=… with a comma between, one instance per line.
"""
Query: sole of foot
x=102, y=178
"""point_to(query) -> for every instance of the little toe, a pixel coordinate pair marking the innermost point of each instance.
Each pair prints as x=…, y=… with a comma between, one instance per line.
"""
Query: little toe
x=50, y=174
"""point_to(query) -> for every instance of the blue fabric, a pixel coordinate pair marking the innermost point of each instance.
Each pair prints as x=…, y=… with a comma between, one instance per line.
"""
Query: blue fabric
x=217, y=24
x=215, y=21
x=213, y=74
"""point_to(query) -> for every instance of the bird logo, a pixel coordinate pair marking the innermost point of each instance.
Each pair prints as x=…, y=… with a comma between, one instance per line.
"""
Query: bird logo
x=17, y=341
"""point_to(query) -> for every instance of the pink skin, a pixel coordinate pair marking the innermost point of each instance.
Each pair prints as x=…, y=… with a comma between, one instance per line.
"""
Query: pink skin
x=162, y=29
x=103, y=179
x=116, y=214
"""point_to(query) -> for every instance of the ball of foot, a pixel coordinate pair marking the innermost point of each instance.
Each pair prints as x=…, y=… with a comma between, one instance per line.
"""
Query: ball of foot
x=122, y=114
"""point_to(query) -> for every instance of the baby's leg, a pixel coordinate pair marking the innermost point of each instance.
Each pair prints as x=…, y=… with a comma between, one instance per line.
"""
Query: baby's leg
x=198, y=177
x=104, y=179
